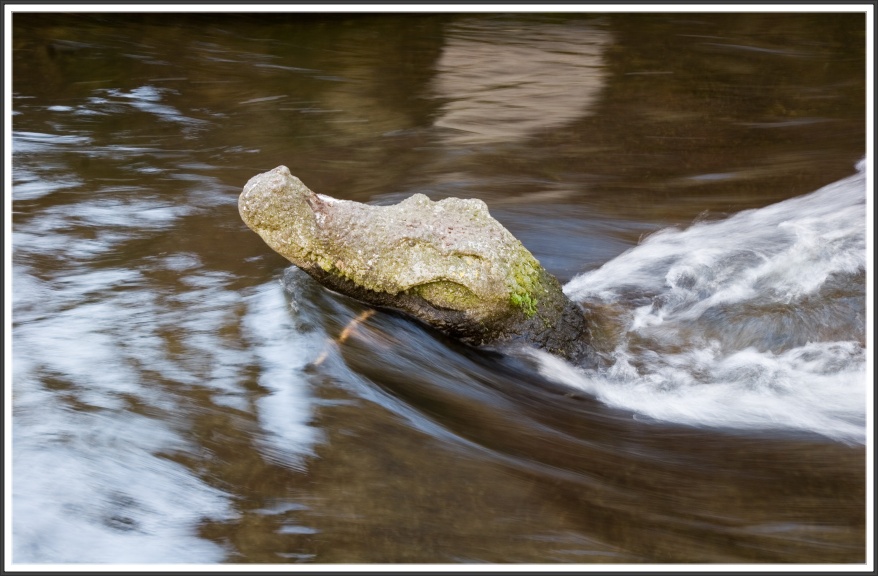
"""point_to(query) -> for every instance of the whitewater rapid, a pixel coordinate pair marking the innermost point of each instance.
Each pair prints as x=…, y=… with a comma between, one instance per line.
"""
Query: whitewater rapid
x=757, y=321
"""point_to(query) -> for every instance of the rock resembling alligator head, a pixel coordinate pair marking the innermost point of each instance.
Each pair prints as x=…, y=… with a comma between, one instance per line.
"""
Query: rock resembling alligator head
x=447, y=263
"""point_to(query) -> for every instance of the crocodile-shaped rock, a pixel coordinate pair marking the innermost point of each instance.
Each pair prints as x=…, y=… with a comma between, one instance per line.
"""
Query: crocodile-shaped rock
x=446, y=263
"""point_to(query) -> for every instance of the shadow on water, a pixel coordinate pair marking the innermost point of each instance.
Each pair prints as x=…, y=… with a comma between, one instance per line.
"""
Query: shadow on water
x=175, y=401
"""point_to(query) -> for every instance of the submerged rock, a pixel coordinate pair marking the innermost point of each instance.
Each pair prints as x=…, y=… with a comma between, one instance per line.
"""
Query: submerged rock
x=447, y=263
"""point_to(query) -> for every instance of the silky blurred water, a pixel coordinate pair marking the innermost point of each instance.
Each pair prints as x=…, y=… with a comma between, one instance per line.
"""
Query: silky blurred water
x=181, y=395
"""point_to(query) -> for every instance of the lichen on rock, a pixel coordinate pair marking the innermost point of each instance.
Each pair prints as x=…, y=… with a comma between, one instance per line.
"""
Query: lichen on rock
x=447, y=263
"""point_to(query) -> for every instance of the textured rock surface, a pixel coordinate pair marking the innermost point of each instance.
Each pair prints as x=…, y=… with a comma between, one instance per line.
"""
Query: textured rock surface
x=447, y=263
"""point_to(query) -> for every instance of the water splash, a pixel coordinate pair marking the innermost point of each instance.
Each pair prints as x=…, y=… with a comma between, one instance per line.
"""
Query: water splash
x=757, y=321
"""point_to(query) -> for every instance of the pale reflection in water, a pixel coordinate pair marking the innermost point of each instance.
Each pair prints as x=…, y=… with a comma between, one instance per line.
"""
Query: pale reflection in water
x=506, y=80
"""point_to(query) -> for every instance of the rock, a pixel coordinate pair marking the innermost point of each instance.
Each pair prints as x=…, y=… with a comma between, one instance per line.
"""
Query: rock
x=447, y=263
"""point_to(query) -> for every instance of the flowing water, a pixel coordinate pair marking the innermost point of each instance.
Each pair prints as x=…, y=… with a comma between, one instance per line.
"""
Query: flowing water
x=181, y=395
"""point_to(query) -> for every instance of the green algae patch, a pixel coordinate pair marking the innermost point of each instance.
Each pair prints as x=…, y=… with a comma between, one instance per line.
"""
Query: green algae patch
x=525, y=282
x=526, y=302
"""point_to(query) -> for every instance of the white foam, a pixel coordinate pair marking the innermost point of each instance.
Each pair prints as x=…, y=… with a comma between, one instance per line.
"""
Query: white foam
x=756, y=321
x=747, y=390
x=790, y=247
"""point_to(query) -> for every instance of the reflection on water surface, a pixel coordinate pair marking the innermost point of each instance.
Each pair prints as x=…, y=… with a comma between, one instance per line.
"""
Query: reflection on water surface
x=506, y=80
x=167, y=399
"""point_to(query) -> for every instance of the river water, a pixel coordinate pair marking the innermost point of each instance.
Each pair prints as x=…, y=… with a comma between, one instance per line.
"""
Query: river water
x=180, y=395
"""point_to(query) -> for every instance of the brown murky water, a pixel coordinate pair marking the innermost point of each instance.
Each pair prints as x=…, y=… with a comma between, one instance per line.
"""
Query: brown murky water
x=168, y=405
